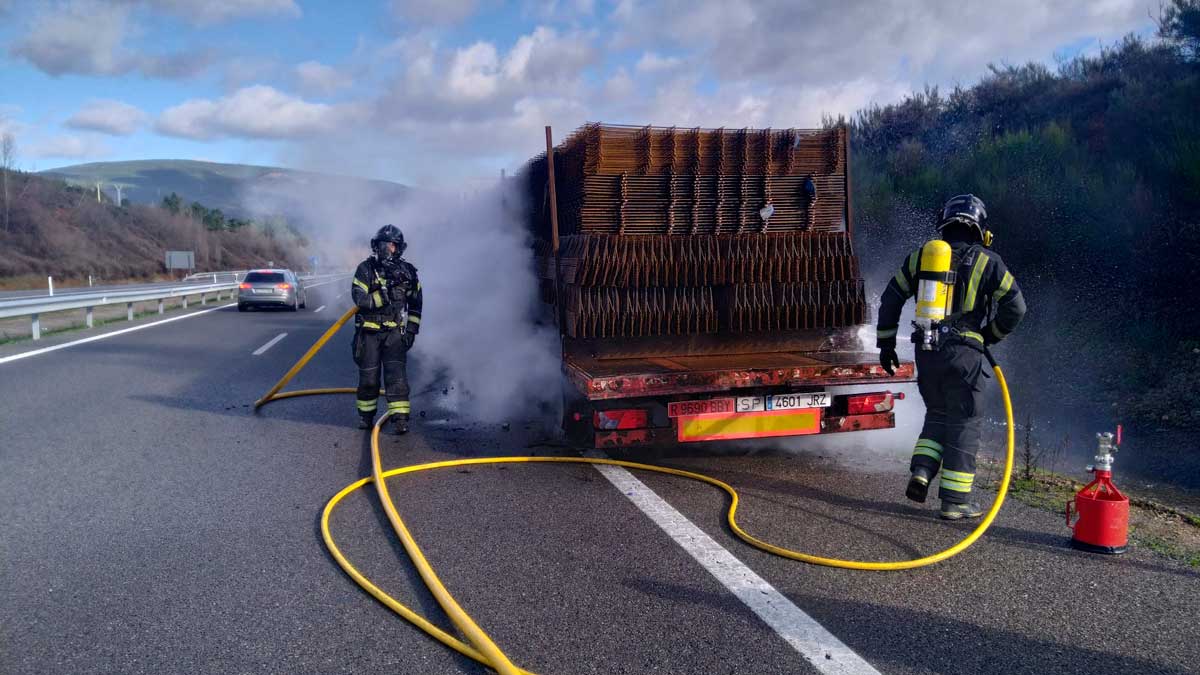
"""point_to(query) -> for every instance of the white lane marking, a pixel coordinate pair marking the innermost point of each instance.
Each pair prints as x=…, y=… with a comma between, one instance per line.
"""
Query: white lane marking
x=261, y=350
x=325, y=283
x=318, y=309
x=44, y=350
x=818, y=646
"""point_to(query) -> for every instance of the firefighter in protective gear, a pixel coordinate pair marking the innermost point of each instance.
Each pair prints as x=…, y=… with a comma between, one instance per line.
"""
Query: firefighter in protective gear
x=985, y=307
x=388, y=296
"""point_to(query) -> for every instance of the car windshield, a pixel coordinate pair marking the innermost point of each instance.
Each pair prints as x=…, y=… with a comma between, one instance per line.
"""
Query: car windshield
x=265, y=278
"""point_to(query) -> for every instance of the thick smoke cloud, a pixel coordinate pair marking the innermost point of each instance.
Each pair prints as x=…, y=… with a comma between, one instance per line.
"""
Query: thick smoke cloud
x=479, y=340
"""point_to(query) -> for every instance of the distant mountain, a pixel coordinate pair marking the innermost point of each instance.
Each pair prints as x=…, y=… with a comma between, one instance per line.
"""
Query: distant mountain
x=237, y=189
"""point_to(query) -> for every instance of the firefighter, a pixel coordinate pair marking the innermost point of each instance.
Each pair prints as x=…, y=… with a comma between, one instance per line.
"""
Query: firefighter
x=388, y=296
x=986, y=307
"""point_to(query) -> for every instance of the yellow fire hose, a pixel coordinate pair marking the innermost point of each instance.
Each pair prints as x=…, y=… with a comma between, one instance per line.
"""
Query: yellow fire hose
x=481, y=648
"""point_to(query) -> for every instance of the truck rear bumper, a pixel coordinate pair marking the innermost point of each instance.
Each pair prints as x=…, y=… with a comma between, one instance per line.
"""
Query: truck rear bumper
x=667, y=436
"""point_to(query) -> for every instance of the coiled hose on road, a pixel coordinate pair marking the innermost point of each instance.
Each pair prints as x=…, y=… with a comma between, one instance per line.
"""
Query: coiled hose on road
x=479, y=646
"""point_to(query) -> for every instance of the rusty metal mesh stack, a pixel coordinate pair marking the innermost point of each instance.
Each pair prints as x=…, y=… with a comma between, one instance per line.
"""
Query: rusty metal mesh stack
x=661, y=234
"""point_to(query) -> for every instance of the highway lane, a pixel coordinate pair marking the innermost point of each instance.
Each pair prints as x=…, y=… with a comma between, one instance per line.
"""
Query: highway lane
x=1018, y=601
x=154, y=523
x=178, y=531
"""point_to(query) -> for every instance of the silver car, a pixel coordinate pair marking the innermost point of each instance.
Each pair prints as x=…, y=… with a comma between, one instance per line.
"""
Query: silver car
x=271, y=288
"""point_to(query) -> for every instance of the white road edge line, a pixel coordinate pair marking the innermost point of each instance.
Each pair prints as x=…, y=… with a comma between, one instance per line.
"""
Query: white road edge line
x=261, y=350
x=816, y=644
x=326, y=283
x=318, y=309
x=44, y=350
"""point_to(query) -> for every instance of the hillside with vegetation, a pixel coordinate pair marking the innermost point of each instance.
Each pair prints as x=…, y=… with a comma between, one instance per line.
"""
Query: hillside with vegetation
x=1091, y=175
x=52, y=228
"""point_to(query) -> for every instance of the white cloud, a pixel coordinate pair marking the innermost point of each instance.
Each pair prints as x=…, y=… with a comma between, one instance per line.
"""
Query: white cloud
x=620, y=86
x=206, y=12
x=69, y=147
x=253, y=112
x=474, y=73
x=108, y=116
x=545, y=57
x=319, y=79
x=86, y=37
x=732, y=63
x=571, y=11
x=434, y=11
x=821, y=43
x=625, y=10
x=440, y=102
x=651, y=62
x=83, y=38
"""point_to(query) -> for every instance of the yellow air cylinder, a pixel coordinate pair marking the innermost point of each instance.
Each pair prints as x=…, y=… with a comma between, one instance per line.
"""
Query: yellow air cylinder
x=934, y=288
x=933, y=295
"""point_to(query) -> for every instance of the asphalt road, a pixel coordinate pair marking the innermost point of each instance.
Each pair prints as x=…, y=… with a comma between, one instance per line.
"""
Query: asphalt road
x=151, y=522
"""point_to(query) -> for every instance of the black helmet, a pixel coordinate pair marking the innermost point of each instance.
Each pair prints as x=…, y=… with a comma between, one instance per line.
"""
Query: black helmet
x=969, y=210
x=388, y=233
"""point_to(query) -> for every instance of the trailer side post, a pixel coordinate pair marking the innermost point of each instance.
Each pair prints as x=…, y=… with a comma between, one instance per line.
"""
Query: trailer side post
x=554, y=227
x=846, y=177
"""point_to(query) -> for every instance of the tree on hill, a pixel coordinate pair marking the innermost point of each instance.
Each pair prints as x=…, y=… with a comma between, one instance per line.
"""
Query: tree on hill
x=1180, y=24
x=172, y=203
x=1091, y=175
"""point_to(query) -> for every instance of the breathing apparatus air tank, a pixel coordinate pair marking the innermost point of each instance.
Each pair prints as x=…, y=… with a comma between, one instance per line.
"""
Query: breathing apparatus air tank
x=935, y=290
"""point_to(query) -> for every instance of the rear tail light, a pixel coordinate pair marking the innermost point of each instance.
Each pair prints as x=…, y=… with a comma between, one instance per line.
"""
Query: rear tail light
x=244, y=287
x=283, y=287
x=875, y=402
x=633, y=418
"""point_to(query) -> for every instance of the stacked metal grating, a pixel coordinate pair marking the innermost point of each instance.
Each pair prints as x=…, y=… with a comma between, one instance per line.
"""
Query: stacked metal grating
x=661, y=232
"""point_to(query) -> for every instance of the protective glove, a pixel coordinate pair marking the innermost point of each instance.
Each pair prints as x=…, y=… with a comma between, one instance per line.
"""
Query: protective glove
x=408, y=339
x=889, y=359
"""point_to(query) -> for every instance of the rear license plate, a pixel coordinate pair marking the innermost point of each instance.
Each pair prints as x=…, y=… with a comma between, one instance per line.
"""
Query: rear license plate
x=712, y=406
x=814, y=399
x=263, y=291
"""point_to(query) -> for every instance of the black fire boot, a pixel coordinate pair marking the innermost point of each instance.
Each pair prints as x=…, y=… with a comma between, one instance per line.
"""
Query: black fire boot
x=400, y=426
x=366, y=420
x=952, y=511
x=918, y=485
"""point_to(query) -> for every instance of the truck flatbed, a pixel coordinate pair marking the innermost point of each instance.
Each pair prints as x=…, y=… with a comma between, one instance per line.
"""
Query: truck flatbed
x=601, y=379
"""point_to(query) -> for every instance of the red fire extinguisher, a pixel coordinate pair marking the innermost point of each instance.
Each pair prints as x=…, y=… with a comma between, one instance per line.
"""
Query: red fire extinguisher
x=1101, y=523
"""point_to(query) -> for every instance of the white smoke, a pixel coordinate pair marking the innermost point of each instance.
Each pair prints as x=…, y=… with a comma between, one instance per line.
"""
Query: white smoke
x=479, y=341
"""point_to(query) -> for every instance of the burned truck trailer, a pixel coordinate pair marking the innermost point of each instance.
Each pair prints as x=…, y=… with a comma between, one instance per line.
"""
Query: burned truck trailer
x=704, y=284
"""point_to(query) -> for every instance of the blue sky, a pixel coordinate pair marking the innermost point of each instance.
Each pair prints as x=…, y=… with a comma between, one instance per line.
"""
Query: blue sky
x=437, y=92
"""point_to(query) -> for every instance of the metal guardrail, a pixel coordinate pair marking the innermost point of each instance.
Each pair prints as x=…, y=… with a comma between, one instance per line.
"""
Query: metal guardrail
x=35, y=307
x=217, y=277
